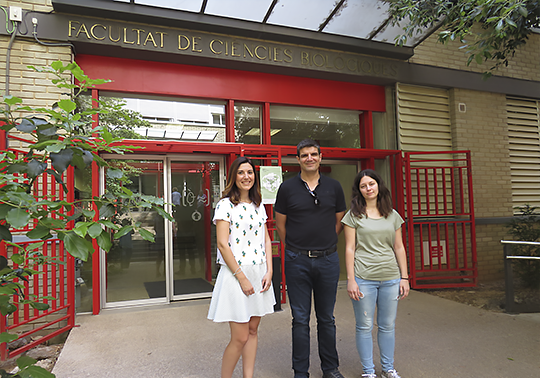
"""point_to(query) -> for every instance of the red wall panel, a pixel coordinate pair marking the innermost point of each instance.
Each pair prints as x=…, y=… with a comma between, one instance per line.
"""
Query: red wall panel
x=138, y=76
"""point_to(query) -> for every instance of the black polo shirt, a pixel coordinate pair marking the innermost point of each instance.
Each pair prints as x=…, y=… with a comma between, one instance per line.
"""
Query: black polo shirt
x=310, y=226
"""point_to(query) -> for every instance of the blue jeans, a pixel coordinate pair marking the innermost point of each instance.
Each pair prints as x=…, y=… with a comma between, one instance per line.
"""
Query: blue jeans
x=304, y=276
x=384, y=295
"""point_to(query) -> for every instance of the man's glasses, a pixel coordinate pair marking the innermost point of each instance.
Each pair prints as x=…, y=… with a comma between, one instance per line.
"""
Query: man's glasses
x=313, y=194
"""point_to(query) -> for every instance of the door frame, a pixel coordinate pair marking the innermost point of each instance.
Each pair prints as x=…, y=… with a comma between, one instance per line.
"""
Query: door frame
x=169, y=265
x=168, y=260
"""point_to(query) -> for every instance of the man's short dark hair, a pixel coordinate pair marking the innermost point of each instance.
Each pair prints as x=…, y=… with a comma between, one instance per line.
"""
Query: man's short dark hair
x=307, y=143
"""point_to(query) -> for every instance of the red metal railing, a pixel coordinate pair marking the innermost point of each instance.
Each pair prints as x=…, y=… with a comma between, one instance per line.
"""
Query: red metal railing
x=53, y=280
x=441, y=233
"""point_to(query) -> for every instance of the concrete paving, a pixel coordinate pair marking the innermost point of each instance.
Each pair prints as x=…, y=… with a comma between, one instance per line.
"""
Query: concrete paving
x=436, y=338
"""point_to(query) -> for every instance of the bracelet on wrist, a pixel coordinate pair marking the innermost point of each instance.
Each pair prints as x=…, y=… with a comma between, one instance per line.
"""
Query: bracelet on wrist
x=237, y=271
x=405, y=278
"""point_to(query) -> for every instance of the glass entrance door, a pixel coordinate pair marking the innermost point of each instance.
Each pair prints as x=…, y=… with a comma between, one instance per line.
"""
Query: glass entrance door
x=180, y=263
x=195, y=189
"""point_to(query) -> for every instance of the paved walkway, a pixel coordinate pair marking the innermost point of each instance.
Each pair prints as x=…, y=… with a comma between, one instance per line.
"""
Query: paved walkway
x=436, y=338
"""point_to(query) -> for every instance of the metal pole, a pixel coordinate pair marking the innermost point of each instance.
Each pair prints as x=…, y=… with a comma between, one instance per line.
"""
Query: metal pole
x=508, y=280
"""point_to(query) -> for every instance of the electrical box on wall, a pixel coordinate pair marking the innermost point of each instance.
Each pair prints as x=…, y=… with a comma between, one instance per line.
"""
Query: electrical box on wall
x=15, y=14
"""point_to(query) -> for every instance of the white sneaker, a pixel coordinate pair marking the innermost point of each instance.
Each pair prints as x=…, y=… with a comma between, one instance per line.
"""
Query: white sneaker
x=390, y=374
x=369, y=376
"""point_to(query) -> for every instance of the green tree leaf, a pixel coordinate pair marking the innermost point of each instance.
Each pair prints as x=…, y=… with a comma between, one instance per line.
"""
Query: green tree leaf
x=39, y=232
x=4, y=290
x=61, y=160
x=6, y=337
x=77, y=247
x=81, y=229
x=498, y=26
x=107, y=211
x=12, y=100
x=35, y=168
x=88, y=213
x=7, y=309
x=163, y=213
x=67, y=105
x=26, y=126
x=146, y=235
x=109, y=224
x=47, y=130
x=53, y=223
x=35, y=372
x=24, y=362
x=17, y=258
x=18, y=218
x=40, y=306
x=123, y=231
x=94, y=230
x=114, y=173
x=5, y=234
x=104, y=241
x=4, y=208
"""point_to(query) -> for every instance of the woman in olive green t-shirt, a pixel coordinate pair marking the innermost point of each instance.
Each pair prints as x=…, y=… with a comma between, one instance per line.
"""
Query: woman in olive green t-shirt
x=376, y=268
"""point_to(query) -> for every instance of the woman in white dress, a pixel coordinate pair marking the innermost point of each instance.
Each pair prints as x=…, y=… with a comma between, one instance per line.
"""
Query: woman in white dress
x=243, y=291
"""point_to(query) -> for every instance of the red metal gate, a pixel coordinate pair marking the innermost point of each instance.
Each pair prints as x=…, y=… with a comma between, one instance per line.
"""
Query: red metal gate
x=54, y=283
x=441, y=234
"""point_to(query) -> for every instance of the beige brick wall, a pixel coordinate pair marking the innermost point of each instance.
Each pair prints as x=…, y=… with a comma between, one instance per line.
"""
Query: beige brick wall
x=490, y=251
x=524, y=65
x=34, y=88
x=483, y=130
x=35, y=5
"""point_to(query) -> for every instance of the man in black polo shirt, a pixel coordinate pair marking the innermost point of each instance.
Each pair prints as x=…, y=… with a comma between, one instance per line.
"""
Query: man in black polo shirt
x=309, y=208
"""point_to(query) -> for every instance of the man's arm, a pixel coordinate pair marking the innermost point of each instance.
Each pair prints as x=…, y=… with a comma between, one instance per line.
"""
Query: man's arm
x=281, y=220
x=339, y=226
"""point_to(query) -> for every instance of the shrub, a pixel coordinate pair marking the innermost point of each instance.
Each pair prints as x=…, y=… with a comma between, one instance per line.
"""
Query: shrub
x=526, y=227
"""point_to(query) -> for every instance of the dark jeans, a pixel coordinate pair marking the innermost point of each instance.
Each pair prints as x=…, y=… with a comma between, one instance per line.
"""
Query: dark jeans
x=304, y=276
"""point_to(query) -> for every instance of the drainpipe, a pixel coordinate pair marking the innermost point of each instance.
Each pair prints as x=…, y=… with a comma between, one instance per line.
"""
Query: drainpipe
x=8, y=59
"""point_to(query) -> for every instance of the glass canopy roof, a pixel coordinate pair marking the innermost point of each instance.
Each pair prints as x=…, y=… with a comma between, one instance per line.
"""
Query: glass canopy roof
x=363, y=19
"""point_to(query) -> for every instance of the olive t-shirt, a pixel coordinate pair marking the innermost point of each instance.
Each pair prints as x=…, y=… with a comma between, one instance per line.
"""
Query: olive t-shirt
x=374, y=257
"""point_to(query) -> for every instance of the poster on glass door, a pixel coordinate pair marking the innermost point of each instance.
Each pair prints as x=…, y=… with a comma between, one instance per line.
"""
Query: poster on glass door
x=271, y=179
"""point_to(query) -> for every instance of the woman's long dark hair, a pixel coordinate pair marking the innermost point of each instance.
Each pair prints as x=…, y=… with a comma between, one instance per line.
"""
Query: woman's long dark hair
x=232, y=191
x=358, y=202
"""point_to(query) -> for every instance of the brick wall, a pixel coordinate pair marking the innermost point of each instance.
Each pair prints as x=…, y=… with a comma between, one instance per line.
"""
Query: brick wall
x=34, y=88
x=483, y=130
x=490, y=251
x=35, y=5
x=524, y=65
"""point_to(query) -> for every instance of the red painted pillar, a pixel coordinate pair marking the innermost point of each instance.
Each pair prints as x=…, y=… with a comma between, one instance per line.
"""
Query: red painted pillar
x=96, y=282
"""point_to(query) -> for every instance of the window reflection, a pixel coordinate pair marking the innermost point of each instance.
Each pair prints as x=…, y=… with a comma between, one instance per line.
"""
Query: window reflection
x=165, y=118
x=330, y=127
x=133, y=263
x=247, y=124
